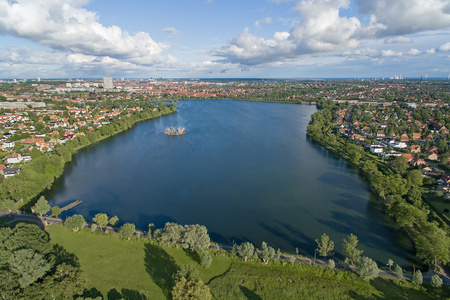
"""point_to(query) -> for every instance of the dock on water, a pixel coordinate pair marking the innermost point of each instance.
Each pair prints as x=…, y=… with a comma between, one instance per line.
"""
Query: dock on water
x=71, y=205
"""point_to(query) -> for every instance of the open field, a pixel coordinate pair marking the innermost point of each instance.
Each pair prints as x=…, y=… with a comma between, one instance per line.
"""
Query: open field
x=140, y=269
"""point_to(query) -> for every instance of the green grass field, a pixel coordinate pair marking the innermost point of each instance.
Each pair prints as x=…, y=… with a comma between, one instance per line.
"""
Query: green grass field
x=115, y=266
x=140, y=269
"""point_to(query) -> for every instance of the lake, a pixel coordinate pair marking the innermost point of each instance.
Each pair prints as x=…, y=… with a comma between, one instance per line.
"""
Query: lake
x=245, y=170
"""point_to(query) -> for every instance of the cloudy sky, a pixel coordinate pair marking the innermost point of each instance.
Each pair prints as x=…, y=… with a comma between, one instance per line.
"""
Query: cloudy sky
x=224, y=38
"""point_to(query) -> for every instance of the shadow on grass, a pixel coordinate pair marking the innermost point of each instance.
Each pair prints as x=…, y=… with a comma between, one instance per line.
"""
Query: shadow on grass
x=249, y=294
x=62, y=256
x=193, y=255
x=161, y=267
x=92, y=293
x=125, y=295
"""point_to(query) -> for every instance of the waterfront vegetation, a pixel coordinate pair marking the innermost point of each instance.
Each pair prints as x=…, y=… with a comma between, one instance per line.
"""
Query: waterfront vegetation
x=39, y=174
x=71, y=262
x=397, y=185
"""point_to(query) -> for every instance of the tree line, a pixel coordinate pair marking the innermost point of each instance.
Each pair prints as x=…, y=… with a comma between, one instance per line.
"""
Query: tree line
x=398, y=188
x=40, y=173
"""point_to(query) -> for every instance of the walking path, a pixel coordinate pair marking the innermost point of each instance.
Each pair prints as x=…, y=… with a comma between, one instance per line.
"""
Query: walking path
x=45, y=221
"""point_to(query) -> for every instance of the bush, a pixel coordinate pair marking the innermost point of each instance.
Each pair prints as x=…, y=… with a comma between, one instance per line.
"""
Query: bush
x=206, y=260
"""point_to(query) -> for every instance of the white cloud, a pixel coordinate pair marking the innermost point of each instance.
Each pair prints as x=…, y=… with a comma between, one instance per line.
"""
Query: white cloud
x=414, y=52
x=390, y=53
x=266, y=20
x=402, y=17
x=65, y=25
x=398, y=40
x=172, y=33
x=445, y=47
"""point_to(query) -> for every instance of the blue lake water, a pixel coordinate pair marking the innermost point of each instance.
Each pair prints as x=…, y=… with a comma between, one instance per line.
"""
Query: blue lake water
x=245, y=170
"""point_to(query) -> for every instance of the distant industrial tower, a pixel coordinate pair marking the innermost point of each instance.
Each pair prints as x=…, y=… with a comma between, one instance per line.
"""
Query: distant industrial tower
x=108, y=83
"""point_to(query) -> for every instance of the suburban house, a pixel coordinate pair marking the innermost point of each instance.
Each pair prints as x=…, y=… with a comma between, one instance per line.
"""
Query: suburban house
x=8, y=172
x=13, y=158
x=415, y=149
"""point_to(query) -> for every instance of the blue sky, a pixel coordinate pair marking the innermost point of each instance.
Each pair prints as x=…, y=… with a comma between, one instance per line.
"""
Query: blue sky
x=218, y=38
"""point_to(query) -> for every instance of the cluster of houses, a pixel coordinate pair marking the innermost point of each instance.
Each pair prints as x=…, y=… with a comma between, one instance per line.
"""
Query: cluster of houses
x=419, y=148
x=57, y=128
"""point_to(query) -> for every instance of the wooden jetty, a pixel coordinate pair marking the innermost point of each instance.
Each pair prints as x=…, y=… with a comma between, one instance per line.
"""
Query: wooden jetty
x=71, y=205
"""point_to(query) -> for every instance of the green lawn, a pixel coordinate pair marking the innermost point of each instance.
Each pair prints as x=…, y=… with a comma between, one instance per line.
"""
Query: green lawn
x=440, y=206
x=140, y=269
x=117, y=267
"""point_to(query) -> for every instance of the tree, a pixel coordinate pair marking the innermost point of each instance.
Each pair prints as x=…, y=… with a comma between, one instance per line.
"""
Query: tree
x=432, y=244
x=75, y=222
x=400, y=165
x=366, y=268
x=127, y=230
x=331, y=263
x=415, y=178
x=56, y=211
x=245, y=250
x=188, y=285
x=267, y=252
x=41, y=206
x=325, y=246
x=417, y=278
x=206, y=260
x=101, y=219
x=195, y=237
x=151, y=229
x=113, y=221
x=436, y=281
x=390, y=263
x=349, y=248
x=355, y=153
x=398, y=272
x=28, y=265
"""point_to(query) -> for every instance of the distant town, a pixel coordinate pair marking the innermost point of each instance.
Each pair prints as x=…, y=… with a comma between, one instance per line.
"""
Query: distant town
x=37, y=114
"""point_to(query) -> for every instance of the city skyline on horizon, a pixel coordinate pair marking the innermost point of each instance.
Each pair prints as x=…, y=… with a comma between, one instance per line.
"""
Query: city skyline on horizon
x=272, y=39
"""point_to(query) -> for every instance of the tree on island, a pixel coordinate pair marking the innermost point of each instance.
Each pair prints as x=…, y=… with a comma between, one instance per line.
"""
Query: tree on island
x=267, y=253
x=349, y=248
x=325, y=246
x=75, y=222
x=41, y=206
x=101, y=220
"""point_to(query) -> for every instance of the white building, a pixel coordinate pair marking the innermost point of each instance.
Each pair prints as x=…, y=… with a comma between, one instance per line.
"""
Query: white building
x=108, y=83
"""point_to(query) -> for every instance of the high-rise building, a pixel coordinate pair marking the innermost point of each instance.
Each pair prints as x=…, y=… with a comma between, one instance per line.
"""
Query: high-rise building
x=108, y=83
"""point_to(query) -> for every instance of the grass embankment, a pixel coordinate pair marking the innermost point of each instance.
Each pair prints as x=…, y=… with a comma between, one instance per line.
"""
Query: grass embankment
x=139, y=269
x=115, y=266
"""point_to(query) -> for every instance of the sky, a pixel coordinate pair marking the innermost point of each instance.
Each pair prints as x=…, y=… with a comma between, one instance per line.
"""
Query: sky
x=224, y=38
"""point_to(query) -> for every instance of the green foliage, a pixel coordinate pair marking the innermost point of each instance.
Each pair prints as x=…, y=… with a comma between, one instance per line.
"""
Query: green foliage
x=206, y=260
x=188, y=285
x=325, y=246
x=267, y=252
x=331, y=263
x=41, y=206
x=417, y=278
x=246, y=250
x=366, y=268
x=101, y=219
x=192, y=237
x=113, y=221
x=398, y=272
x=56, y=211
x=433, y=244
x=400, y=164
x=28, y=265
x=436, y=281
x=349, y=248
x=75, y=222
x=127, y=230
x=390, y=263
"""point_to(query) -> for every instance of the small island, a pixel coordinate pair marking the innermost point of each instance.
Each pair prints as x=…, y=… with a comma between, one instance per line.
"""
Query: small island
x=175, y=131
